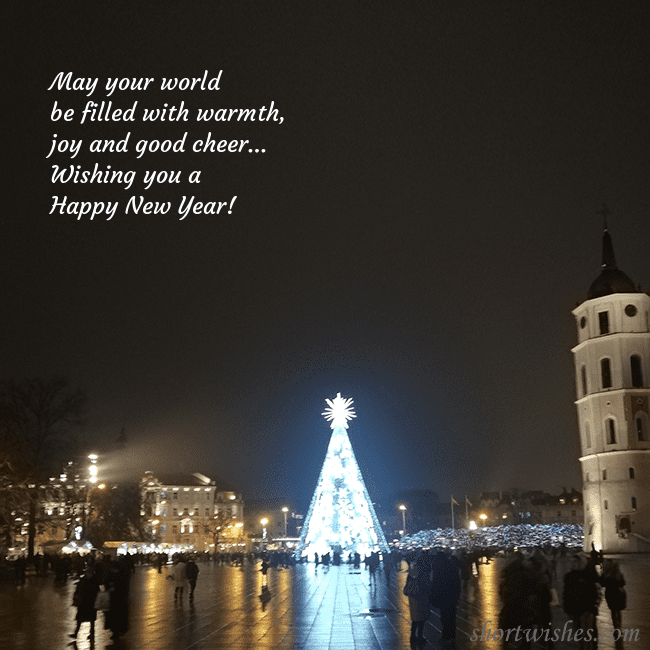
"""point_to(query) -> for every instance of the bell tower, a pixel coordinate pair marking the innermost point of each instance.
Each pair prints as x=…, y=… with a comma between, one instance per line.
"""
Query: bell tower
x=612, y=366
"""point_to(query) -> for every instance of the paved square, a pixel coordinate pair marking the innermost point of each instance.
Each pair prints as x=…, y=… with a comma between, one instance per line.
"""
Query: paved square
x=310, y=608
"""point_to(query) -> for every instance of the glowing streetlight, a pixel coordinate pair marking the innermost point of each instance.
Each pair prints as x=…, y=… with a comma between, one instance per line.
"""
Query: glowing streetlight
x=285, y=510
x=483, y=517
x=403, y=509
x=93, y=467
x=264, y=522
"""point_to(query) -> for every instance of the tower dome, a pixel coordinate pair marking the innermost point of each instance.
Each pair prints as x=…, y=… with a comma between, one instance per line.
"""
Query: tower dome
x=611, y=279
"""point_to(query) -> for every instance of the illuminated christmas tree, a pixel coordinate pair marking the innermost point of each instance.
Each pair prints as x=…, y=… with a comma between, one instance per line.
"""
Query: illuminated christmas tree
x=341, y=517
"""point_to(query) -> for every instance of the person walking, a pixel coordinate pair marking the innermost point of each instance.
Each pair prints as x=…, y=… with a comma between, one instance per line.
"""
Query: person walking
x=518, y=591
x=84, y=600
x=192, y=573
x=118, y=582
x=180, y=576
x=444, y=595
x=615, y=595
x=581, y=598
x=417, y=588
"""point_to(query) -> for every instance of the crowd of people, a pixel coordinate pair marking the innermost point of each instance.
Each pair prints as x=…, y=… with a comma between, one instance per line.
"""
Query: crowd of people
x=506, y=537
x=435, y=577
x=104, y=586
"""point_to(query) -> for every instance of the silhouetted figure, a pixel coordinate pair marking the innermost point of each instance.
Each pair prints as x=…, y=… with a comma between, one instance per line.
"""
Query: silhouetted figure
x=118, y=583
x=420, y=578
x=519, y=591
x=192, y=573
x=581, y=598
x=444, y=595
x=615, y=595
x=84, y=601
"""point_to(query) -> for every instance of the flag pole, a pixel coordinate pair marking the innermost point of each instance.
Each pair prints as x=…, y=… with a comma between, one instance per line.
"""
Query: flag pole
x=466, y=512
x=452, y=513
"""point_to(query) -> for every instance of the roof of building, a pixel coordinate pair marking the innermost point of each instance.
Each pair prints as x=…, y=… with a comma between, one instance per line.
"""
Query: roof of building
x=193, y=480
x=611, y=279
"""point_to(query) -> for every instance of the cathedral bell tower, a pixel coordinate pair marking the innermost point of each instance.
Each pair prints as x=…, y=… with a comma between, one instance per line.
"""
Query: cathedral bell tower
x=612, y=364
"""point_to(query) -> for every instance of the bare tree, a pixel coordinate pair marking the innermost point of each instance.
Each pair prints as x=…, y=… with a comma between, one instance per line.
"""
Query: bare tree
x=217, y=527
x=36, y=417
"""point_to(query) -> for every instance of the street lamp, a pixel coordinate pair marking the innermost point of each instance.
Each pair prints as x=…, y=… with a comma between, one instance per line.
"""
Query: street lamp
x=483, y=517
x=264, y=522
x=93, y=467
x=285, y=510
x=403, y=509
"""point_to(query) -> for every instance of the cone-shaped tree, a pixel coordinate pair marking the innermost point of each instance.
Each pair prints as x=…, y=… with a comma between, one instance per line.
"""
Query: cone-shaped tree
x=341, y=517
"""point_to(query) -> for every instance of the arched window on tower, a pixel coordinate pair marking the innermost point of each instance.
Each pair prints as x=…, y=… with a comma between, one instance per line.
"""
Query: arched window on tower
x=637, y=372
x=605, y=373
x=633, y=503
x=603, y=321
x=583, y=376
x=587, y=436
x=610, y=427
x=641, y=427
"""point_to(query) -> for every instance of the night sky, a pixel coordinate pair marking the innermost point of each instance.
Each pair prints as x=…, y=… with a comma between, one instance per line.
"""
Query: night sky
x=415, y=236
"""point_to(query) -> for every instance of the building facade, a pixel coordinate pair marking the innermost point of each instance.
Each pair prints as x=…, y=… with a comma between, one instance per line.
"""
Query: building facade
x=192, y=512
x=528, y=507
x=612, y=364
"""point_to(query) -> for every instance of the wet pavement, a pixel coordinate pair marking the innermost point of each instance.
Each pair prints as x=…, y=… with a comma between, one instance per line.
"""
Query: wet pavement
x=310, y=608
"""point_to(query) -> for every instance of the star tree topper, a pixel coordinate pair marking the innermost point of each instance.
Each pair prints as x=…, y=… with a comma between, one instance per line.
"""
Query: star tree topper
x=339, y=410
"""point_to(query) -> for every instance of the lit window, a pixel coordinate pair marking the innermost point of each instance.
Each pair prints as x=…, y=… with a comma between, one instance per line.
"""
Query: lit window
x=605, y=373
x=637, y=374
x=611, y=431
x=603, y=321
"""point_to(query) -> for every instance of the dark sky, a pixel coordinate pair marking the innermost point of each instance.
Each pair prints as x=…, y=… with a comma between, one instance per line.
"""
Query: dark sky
x=415, y=236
